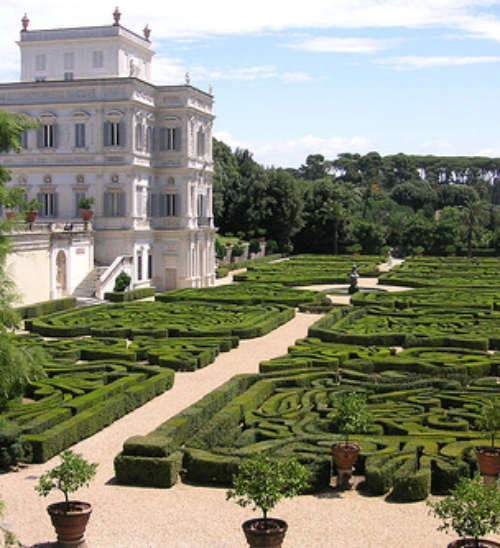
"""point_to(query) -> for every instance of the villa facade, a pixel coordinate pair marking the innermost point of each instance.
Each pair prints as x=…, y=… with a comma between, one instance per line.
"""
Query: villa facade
x=144, y=152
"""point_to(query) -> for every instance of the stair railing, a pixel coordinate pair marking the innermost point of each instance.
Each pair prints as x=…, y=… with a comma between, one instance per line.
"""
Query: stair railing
x=106, y=281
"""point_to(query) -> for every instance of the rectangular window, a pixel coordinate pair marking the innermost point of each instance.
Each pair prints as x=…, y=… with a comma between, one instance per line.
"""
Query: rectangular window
x=78, y=197
x=80, y=135
x=170, y=138
x=114, y=134
x=114, y=204
x=168, y=205
x=47, y=136
x=150, y=265
x=139, y=266
x=97, y=59
x=201, y=149
x=49, y=201
x=69, y=61
x=69, y=76
x=40, y=62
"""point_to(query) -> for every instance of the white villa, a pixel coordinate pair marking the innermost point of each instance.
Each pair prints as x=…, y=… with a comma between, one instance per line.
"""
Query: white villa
x=144, y=152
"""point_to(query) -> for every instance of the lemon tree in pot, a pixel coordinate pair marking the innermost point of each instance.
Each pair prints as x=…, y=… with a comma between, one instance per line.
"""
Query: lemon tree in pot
x=85, y=206
x=471, y=510
x=30, y=210
x=489, y=423
x=70, y=517
x=351, y=416
x=263, y=482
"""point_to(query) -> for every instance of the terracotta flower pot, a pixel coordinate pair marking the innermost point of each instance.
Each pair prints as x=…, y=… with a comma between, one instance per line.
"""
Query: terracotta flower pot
x=257, y=536
x=70, y=525
x=344, y=455
x=488, y=459
x=86, y=214
x=471, y=543
x=10, y=214
x=30, y=216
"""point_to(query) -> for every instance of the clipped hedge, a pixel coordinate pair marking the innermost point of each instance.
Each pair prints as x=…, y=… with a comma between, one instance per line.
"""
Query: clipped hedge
x=132, y=295
x=46, y=307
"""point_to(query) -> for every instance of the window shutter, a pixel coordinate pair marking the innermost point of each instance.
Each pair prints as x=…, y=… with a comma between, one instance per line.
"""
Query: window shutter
x=39, y=136
x=177, y=138
x=121, y=134
x=153, y=139
x=39, y=198
x=107, y=204
x=163, y=205
x=56, y=204
x=177, y=205
x=78, y=197
x=122, y=204
x=106, y=130
x=55, y=135
x=163, y=138
x=152, y=205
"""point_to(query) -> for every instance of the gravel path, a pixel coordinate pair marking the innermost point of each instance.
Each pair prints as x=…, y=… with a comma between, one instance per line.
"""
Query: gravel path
x=197, y=517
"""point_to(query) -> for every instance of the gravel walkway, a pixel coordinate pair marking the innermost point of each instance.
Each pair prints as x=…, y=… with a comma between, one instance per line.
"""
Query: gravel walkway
x=197, y=517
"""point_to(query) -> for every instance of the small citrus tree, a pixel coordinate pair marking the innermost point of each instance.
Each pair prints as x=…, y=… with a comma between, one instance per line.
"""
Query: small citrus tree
x=263, y=482
x=72, y=473
x=472, y=509
x=489, y=422
x=351, y=415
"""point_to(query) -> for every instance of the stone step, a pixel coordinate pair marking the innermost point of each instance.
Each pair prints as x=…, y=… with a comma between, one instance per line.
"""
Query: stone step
x=86, y=288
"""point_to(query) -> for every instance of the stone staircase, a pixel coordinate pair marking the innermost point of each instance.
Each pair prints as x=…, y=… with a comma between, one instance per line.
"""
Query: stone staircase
x=85, y=291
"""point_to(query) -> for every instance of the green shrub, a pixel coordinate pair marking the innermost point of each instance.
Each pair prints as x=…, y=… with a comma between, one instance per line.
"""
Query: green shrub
x=122, y=281
x=410, y=483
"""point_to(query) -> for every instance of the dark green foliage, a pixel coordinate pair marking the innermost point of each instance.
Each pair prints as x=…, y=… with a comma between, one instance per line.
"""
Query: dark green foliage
x=122, y=281
x=133, y=295
x=47, y=307
x=150, y=472
x=411, y=483
x=471, y=509
x=178, y=319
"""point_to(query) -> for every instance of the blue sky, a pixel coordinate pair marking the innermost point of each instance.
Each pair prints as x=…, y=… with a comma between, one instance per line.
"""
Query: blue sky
x=326, y=76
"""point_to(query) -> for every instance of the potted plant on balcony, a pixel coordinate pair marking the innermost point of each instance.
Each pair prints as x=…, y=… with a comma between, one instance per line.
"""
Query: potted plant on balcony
x=488, y=457
x=11, y=199
x=472, y=510
x=263, y=482
x=31, y=210
x=85, y=206
x=70, y=517
x=351, y=416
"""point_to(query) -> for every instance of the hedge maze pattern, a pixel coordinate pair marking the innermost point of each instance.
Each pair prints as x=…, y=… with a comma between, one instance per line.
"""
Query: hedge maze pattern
x=426, y=369
x=311, y=269
x=105, y=361
x=157, y=319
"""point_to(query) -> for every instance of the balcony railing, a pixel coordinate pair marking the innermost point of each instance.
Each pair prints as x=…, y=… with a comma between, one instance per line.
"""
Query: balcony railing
x=204, y=221
x=51, y=227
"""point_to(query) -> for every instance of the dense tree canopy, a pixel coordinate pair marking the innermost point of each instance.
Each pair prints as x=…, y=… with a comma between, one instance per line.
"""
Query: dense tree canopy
x=409, y=203
x=18, y=365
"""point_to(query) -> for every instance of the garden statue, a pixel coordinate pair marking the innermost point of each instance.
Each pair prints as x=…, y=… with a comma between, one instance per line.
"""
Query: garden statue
x=353, y=276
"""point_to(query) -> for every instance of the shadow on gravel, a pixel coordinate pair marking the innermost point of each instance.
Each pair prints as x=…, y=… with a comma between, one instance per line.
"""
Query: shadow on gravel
x=329, y=493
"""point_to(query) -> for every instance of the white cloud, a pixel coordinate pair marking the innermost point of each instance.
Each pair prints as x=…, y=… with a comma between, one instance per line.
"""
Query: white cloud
x=248, y=74
x=438, y=144
x=224, y=17
x=169, y=71
x=416, y=62
x=489, y=152
x=326, y=44
x=293, y=153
